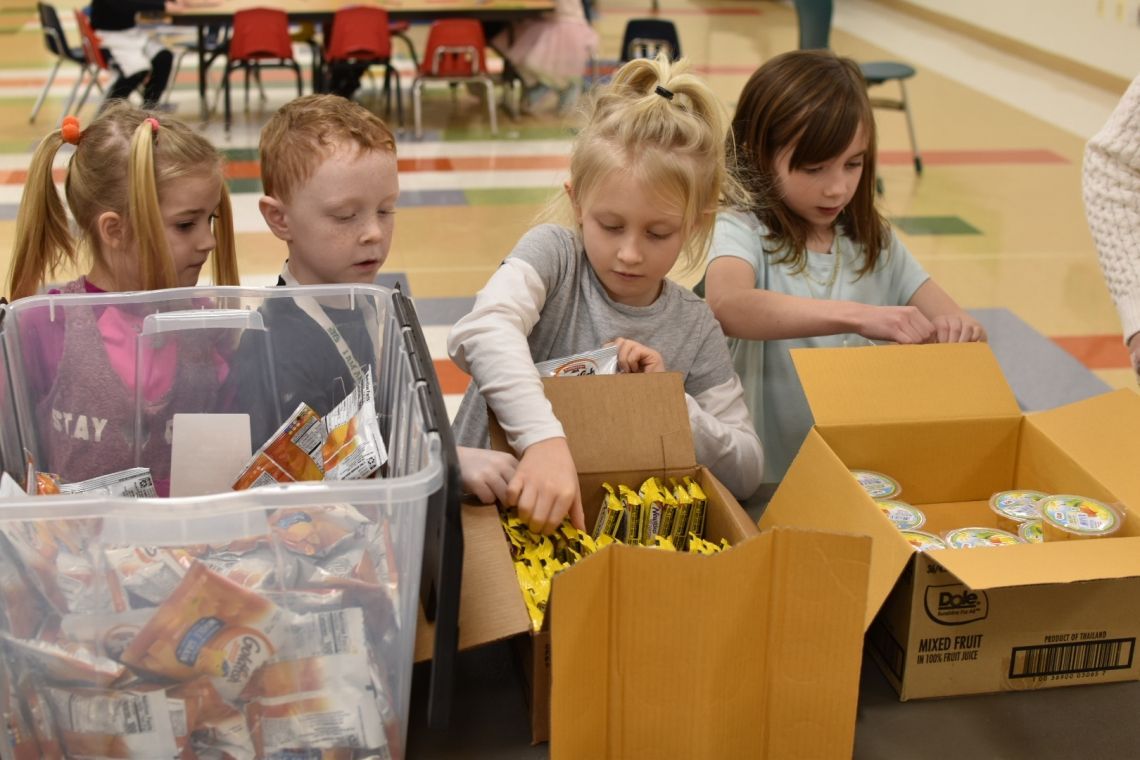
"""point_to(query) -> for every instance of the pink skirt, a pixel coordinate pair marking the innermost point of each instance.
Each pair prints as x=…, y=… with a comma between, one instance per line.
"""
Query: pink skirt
x=554, y=51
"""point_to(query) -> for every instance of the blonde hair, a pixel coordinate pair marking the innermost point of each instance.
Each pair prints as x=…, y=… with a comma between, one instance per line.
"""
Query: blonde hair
x=814, y=102
x=120, y=164
x=674, y=145
x=305, y=131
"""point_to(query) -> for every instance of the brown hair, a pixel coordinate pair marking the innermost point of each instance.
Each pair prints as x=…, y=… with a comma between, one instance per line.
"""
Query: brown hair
x=814, y=102
x=305, y=131
x=120, y=164
x=673, y=144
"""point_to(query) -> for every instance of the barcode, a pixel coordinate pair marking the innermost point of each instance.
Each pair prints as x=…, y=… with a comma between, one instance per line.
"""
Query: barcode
x=1060, y=659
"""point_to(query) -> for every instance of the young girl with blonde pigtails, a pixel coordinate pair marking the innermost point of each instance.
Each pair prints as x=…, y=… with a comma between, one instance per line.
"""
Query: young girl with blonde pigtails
x=647, y=173
x=811, y=262
x=149, y=199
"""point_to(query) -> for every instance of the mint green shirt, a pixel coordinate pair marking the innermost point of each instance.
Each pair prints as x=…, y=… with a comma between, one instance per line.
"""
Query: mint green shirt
x=771, y=387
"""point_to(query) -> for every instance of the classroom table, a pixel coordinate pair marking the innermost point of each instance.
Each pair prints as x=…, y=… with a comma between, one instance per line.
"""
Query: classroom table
x=321, y=11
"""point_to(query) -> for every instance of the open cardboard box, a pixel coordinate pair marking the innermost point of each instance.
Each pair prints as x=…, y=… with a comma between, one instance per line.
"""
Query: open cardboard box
x=755, y=650
x=942, y=421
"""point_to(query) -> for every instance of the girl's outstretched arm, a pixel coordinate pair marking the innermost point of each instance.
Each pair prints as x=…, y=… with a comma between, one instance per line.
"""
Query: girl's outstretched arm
x=745, y=311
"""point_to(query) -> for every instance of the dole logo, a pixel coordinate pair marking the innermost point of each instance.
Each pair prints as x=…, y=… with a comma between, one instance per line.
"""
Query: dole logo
x=955, y=604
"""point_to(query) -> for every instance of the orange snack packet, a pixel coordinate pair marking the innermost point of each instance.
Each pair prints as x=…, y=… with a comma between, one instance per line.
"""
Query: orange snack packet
x=316, y=531
x=216, y=729
x=64, y=661
x=94, y=723
x=209, y=626
x=15, y=729
x=292, y=454
x=353, y=448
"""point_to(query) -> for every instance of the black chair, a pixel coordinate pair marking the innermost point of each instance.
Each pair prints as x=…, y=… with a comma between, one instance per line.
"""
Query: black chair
x=646, y=37
x=880, y=72
x=56, y=43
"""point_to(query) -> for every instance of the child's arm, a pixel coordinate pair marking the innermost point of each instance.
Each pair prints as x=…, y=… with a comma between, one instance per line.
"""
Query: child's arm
x=745, y=311
x=952, y=324
x=491, y=345
x=725, y=438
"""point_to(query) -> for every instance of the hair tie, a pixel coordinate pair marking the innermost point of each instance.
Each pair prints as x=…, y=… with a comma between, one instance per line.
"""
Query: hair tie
x=663, y=92
x=153, y=122
x=69, y=130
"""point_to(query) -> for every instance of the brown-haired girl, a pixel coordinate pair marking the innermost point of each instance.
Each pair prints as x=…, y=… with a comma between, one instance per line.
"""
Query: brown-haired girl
x=647, y=173
x=812, y=262
x=148, y=196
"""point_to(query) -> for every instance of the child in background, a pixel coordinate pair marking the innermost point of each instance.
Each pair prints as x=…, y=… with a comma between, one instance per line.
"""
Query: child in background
x=328, y=168
x=150, y=201
x=550, y=53
x=646, y=175
x=812, y=262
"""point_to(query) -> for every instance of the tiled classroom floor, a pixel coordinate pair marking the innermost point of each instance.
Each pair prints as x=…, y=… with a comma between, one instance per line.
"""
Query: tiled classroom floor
x=996, y=216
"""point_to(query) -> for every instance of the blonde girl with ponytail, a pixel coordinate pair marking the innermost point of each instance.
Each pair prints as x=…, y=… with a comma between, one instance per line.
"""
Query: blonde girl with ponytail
x=647, y=175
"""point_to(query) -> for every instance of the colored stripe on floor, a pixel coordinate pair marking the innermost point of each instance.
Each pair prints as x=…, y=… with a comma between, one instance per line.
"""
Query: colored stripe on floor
x=1096, y=351
x=934, y=225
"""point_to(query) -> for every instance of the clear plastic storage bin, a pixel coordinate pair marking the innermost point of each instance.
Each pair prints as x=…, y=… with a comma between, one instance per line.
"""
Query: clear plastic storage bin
x=272, y=622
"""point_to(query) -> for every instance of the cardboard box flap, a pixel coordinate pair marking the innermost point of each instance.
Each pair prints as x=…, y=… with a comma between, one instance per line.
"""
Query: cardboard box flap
x=1043, y=564
x=711, y=677
x=621, y=422
x=817, y=493
x=1099, y=434
x=903, y=383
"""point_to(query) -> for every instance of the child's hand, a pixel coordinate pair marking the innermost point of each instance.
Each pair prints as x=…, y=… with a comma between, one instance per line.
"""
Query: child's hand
x=900, y=324
x=545, y=487
x=634, y=357
x=958, y=328
x=486, y=473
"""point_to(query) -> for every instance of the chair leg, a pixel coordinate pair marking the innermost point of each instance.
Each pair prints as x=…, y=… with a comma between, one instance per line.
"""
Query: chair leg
x=399, y=98
x=297, y=70
x=87, y=91
x=417, y=108
x=411, y=48
x=260, y=86
x=173, y=76
x=75, y=89
x=226, y=95
x=43, y=94
x=245, y=66
x=492, y=107
x=910, y=129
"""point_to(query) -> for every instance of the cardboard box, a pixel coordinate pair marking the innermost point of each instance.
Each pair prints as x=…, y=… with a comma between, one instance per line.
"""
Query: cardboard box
x=652, y=654
x=942, y=421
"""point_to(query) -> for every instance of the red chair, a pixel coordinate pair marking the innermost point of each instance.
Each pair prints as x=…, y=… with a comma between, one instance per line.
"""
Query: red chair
x=260, y=40
x=56, y=43
x=455, y=52
x=98, y=60
x=362, y=35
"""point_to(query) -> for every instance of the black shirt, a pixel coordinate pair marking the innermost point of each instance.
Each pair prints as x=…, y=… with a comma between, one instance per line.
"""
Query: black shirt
x=117, y=15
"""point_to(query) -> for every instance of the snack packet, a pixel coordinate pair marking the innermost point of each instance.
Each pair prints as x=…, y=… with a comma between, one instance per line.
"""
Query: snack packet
x=610, y=514
x=211, y=626
x=107, y=635
x=700, y=504
x=16, y=732
x=321, y=634
x=58, y=559
x=353, y=447
x=317, y=531
x=652, y=510
x=669, y=513
x=147, y=572
x=21, y=612
x=633, y=515
x=291, y=454
x=216, y=729
x=324, y=702
x=679, y=535
x=135, y=483
x=600, y=361
x=64, y=662
x=94, y=723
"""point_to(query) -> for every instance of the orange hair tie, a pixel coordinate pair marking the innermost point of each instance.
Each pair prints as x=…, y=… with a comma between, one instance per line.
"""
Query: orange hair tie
x=69, y=130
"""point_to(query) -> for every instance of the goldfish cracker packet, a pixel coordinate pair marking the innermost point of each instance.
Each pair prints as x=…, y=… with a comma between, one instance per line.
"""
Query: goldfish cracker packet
x=353, y=448
x=95, y=723
x=15, y=727
x=63, y=662
x=135, y=483
x=215, y=728
x=21, y=609
x=209, y=626
x=610, y=514
x=316, y=531
x=320, y=634
x=291, y=454
x=600, y=361
x=327, y=702
x=58, y=558
x=146, y=573
x=700, y=506
x=107, y=635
